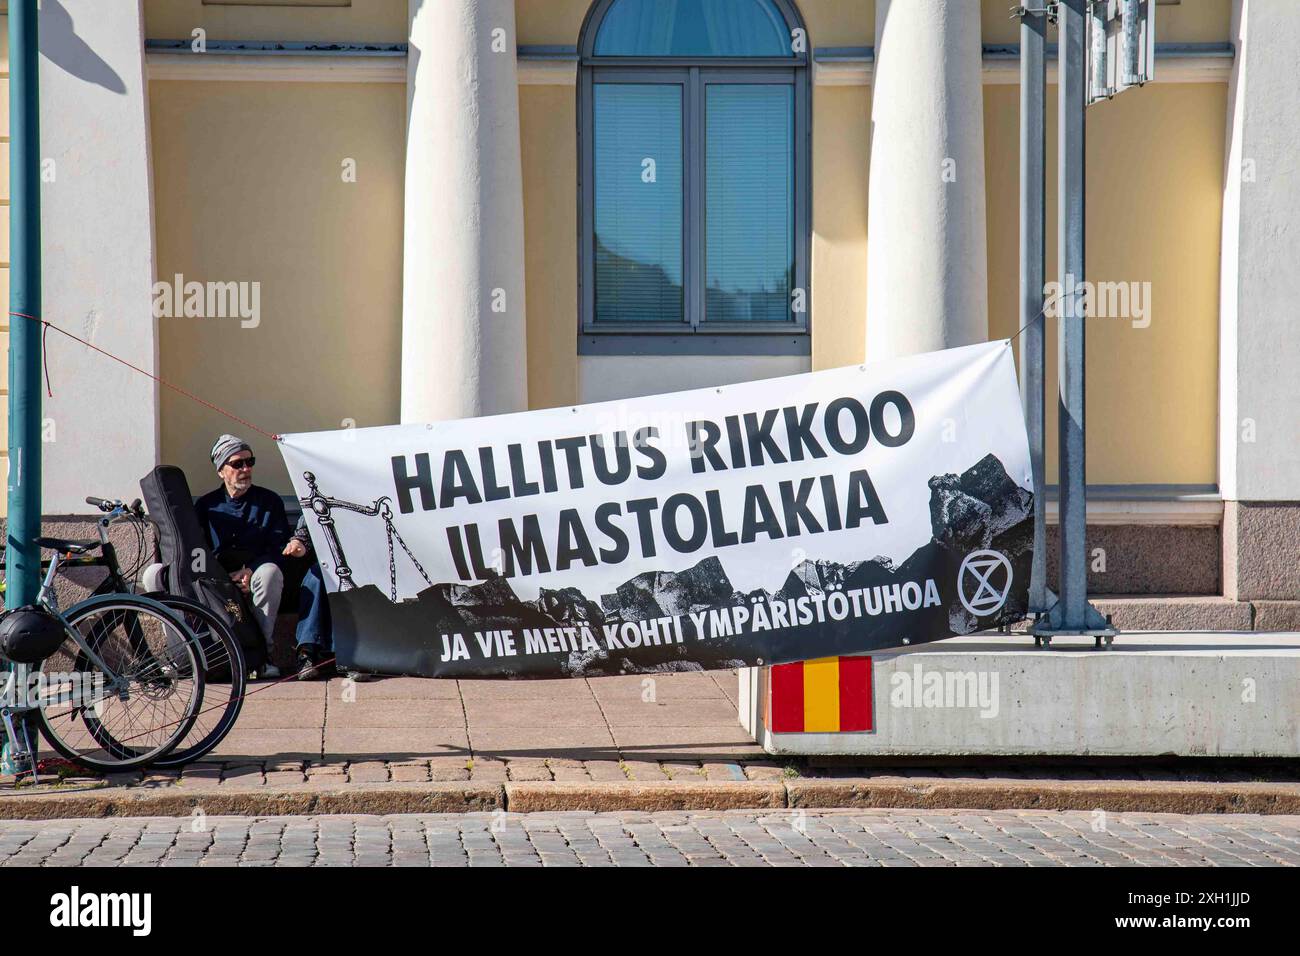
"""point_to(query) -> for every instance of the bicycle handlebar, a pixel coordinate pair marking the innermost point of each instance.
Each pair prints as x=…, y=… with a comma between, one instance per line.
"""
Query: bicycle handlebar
x=109, y=506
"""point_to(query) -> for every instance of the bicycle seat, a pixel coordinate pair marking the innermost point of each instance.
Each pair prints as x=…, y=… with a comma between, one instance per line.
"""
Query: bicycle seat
x=67, y=545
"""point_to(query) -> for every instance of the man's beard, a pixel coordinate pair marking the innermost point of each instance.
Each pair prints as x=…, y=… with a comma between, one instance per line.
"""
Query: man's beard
x=243, y=483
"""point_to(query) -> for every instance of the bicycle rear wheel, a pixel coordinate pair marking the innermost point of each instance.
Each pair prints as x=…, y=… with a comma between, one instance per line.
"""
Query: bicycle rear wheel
x=133, y=697
x=225, y=680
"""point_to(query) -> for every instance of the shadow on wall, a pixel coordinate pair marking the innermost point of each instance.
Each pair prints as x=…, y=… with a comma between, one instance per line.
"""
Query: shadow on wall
x=62, y=47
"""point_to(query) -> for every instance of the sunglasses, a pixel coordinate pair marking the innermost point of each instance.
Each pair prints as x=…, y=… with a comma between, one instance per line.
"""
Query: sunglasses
x=239, y=464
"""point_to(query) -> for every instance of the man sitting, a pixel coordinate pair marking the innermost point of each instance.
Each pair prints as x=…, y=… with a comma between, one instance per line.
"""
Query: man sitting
x=313, y=634
x=249, y=533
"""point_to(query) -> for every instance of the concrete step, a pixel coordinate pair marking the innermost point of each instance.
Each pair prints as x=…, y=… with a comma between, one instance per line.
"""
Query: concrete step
x=1150, y=694
x=1176, y=612
x=1191, y=612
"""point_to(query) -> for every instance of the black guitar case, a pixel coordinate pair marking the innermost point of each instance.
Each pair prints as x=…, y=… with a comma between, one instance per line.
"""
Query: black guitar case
x=192, y=570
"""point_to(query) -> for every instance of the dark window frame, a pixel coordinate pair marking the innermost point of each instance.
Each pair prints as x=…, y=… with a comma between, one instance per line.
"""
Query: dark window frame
x=695, y=335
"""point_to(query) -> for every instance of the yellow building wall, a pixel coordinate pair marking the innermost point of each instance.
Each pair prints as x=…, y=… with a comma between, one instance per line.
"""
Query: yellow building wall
x=841, y=162
x=350, y=21
x=1191, y=21
x=829, y=22
x=548, y=138
x=839, y=23
x=249, y=186
x=1154, y=198
x=1154, y=202
x=549, y=22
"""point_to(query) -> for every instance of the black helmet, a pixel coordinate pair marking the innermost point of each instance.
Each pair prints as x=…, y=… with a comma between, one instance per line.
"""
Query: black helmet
x=29, y=634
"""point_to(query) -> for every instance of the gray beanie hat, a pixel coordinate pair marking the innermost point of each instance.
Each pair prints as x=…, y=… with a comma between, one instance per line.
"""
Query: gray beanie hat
x=225, y=446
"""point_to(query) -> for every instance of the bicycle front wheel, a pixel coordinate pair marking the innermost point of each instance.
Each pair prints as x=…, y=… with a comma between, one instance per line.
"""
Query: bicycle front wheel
x=125, y=689
x=224, y=684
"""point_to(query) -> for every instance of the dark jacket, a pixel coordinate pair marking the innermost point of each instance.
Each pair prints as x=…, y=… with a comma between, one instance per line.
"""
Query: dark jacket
x=246, y=531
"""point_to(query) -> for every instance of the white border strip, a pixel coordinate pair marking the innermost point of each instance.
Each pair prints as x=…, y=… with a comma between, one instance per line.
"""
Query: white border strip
x=351, y=68
x=1001, y=71
x=1206, y=512
x=276, y=67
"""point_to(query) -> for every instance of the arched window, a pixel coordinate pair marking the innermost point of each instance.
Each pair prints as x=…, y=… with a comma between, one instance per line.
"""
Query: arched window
x=694, y=177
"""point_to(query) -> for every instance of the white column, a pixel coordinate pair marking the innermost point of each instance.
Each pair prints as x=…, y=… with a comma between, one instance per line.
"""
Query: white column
x=1259, y=391
x=926, y=247
x=101, y=425
x=463, y=346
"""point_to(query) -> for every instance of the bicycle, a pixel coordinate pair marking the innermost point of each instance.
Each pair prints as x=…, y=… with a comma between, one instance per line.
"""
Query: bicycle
x=122, y=690
x=226, y=676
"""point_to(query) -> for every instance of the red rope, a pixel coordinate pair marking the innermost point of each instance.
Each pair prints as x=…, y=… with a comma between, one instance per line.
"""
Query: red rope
x=316, y=669
x=45, y=360
x=45, y=365
x=135, y=368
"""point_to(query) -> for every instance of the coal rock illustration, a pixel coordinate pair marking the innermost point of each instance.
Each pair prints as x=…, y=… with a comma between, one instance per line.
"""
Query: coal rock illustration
x=661, y=593
x=492, y=605
x=569, y=606
x=815, y=577
x=980, y=509
x=969, y=511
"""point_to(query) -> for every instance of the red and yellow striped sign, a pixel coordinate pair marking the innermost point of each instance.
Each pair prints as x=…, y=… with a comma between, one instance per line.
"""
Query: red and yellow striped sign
x=827, y=695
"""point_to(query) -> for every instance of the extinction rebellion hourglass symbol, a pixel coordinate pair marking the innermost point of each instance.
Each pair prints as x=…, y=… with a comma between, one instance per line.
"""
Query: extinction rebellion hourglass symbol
x=322, y=506
x=986, y=575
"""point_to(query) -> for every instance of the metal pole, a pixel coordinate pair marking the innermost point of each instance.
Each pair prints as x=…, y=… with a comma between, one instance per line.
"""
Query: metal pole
x=1129, y=29
x=1070, y=338
x=22, y=557
x=1098, y=86
x=1072, y=613
x=1033, y=146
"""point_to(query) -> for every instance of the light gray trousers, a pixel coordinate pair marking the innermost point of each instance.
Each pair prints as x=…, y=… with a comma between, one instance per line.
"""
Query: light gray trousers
x=265, y=588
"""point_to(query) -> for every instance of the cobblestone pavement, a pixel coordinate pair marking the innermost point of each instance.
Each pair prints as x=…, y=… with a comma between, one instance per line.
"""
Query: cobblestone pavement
x=730, y=838
x=678, y=728
x=246, y=773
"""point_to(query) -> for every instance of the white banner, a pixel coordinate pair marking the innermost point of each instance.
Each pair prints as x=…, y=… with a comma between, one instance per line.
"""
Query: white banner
x=829, y=513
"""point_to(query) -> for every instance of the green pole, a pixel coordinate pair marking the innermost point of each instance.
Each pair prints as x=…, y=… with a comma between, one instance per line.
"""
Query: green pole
x=22, y=557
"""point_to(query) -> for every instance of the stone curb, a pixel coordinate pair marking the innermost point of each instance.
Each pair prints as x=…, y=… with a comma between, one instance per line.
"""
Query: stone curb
x=1112, y=795
x=648, y=797
x=383, y=798
x=927, y=793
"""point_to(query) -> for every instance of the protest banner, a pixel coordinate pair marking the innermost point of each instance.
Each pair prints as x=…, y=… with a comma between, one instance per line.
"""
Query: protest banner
x=829, y=513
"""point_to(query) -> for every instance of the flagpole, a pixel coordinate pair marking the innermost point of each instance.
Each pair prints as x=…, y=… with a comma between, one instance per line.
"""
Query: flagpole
x=23, y=557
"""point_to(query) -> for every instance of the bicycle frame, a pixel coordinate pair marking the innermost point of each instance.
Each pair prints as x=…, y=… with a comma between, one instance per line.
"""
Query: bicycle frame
x=47, y=597
x=112, y=585
x=108, y=591
x=50, y=599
